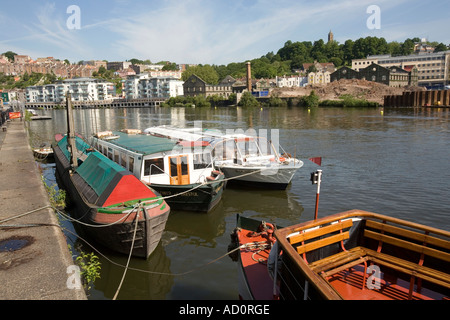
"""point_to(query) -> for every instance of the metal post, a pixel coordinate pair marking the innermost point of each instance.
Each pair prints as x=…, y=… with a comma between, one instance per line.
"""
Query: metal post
x=316, y=178
x=71, y=132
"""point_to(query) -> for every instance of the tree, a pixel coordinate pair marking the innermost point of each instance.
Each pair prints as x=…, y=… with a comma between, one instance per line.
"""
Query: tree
x=207, y=73
x=440, y=47
x=248, y=100
x=10, y=55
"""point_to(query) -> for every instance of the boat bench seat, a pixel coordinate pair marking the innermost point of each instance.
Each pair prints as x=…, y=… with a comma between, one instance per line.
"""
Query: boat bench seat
x=421, y=243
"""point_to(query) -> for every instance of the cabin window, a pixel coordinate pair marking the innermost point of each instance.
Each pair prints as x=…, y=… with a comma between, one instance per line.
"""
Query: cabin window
x=202, y=160
x=123, y=158
x=173, y=167
x=153, y=166
x=110, y=153
x=130, y=164
x=184, y=166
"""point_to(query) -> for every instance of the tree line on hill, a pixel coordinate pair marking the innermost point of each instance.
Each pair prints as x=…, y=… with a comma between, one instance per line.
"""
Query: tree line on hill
x=293, y=55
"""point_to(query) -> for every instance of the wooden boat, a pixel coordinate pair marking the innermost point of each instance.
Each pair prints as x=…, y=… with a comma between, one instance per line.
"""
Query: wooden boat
x=184, y=176
x=353, y=255
x=244, y=159
x=110, y=200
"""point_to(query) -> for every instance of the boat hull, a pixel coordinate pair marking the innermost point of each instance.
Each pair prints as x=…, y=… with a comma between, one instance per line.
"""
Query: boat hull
x=114, y=231
x=255, y=243
x=192, y=197
x=270, y=178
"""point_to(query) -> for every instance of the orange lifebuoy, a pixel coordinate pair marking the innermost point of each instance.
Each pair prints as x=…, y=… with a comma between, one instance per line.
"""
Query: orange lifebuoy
x=282, y=159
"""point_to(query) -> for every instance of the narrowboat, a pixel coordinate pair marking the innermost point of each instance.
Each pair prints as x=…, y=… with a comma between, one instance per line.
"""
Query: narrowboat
x=353, y=255
x=110, y=204
x=245, y=158
x=182, y=173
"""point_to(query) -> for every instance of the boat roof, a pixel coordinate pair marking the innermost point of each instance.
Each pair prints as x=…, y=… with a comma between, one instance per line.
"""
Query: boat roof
x=195, y=134
x=143, y=143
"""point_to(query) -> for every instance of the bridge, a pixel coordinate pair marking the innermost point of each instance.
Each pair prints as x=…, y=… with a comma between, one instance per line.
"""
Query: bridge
x=116, y=103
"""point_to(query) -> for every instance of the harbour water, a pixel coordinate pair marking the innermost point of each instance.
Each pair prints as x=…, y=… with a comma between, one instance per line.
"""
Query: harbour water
x=389, y=161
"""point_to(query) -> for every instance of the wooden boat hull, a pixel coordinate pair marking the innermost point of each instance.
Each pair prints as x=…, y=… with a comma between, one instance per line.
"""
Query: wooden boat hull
x=355, y=255
x=114, y=231
x=193, y=197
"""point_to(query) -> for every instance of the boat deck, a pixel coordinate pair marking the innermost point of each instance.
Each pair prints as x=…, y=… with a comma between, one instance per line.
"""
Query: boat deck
x=349, y=284
x=254, y=258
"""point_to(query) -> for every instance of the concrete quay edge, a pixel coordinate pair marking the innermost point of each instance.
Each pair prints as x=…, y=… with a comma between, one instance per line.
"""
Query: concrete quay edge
x=39, y=269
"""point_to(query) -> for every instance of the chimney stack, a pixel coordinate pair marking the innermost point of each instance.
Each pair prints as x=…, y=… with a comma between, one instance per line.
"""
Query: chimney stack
x=249, y=77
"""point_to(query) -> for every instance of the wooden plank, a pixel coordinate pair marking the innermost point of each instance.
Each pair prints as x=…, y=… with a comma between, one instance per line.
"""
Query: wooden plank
x=345, y=266
x=409, y=234
x=311, y=234
x=407, y=245
x=337, y=259
x=322, y=242
x=415, y=272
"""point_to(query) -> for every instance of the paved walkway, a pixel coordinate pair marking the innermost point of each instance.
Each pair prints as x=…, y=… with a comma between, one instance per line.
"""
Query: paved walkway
x=38, y=270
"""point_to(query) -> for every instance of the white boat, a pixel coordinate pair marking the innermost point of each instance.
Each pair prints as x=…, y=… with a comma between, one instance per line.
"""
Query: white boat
x=243, y=158
x=185, y=177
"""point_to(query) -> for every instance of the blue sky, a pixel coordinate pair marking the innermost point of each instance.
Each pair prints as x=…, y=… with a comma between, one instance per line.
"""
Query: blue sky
x=205, y=31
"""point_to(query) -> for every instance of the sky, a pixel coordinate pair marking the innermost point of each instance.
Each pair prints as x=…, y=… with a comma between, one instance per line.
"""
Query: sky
x=215, y=32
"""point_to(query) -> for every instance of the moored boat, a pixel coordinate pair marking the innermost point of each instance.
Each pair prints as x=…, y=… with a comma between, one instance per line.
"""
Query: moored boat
x=353, y=255
x=245, y=159
x=183, y=175
x=111, y=205
x=43, y=153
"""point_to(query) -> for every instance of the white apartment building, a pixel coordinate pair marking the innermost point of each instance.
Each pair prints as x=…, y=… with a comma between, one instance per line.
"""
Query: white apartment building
x=144, y=86
x=81, y=89
x=433, y=68
x=320, y=77
x=291, y=81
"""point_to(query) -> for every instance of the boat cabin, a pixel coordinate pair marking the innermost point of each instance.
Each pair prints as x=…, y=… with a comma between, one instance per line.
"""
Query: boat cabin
x=156, y=159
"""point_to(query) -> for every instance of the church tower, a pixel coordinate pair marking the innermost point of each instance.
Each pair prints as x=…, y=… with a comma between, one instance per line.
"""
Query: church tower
x=330, y=36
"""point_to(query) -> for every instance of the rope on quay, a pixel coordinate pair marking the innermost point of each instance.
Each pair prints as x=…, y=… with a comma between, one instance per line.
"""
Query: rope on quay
x=136, y=207
x=126, y=267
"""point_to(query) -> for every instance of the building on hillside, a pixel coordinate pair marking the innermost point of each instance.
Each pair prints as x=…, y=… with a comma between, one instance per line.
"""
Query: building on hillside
x=375, y=73
x=144, y=86
x=330, y=37
x=118, y=65
x=343, y=73
x=433, y=69
x=319, y=77
x=392, y=76
x=291, y=81
x=320, y=67
x=81, y=89
x=195, y=86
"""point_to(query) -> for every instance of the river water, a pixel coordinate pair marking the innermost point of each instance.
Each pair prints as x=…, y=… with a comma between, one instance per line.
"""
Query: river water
x=390, y=161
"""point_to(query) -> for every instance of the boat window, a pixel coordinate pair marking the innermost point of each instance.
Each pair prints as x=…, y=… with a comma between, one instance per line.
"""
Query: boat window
x=131, y=164
x=153, y=166
x=202, y=160
x=123, y=158
x=110, y=153
x=184, y=165
x=116, y=156
x=173, y=167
